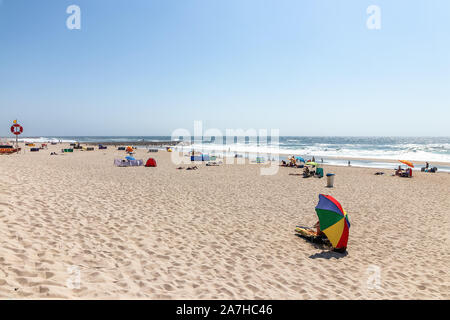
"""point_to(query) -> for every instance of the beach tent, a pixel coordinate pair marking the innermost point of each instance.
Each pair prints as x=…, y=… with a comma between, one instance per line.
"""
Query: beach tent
x=129, y=149
x=300, y=159
x=203, y=157
x=150, y=162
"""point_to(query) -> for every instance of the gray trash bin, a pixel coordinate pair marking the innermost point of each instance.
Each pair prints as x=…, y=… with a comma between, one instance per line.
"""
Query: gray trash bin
x=330, y=180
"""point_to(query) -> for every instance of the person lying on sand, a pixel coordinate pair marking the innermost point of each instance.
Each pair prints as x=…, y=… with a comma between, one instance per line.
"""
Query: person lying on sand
x=192, y=168
x=306, y=173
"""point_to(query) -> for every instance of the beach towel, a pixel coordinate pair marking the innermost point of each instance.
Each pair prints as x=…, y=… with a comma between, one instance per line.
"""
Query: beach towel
x=128, y=163
x=212, y=164
x=311, y=235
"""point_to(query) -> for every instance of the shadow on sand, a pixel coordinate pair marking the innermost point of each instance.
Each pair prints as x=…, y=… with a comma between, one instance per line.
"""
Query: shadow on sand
x=327, y=250
x=328, y=255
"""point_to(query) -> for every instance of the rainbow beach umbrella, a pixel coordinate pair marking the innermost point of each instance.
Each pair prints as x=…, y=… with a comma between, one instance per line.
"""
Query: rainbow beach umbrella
x=333, y=220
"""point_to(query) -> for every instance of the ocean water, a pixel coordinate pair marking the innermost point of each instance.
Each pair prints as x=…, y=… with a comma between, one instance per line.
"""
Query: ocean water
x=369, y=149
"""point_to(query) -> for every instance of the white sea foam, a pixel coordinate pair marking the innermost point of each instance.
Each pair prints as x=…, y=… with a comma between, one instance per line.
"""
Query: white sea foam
x=43, y=140
x=409, y=152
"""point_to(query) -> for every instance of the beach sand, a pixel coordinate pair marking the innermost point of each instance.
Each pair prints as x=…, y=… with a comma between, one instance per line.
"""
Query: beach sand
x=74, y=226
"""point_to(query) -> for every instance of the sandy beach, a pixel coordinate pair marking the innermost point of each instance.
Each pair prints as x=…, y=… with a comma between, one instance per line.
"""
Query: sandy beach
x=74, y=226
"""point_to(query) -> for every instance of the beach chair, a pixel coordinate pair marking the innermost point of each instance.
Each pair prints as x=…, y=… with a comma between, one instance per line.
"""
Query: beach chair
x=407, y=173
x=319, y=172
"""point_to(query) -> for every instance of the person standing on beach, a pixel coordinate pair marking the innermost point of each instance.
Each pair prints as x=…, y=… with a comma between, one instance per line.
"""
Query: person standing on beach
x=349, y=163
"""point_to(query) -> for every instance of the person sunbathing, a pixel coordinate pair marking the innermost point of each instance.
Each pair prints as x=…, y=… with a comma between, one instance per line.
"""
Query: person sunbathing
x=306, y=172
x=318, y=231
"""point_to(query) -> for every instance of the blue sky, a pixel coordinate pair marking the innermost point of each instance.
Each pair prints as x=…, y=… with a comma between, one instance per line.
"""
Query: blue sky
x=147, y=67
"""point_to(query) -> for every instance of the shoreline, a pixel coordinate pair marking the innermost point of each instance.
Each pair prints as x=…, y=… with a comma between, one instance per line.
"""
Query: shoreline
x=281, y=156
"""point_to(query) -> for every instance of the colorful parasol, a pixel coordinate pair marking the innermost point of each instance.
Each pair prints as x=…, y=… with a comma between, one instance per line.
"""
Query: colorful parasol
x=333, y=220
x=408, y=163
x=299, y=159
x=315, y=164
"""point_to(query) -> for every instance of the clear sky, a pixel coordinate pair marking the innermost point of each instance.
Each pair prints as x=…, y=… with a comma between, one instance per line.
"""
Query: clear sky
x=147, y=67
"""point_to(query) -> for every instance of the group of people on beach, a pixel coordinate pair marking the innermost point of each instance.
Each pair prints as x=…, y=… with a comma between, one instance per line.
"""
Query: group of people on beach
x=402, y=173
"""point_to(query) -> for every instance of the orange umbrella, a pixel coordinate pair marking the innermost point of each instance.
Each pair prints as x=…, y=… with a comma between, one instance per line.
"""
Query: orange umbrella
x=408, y=163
